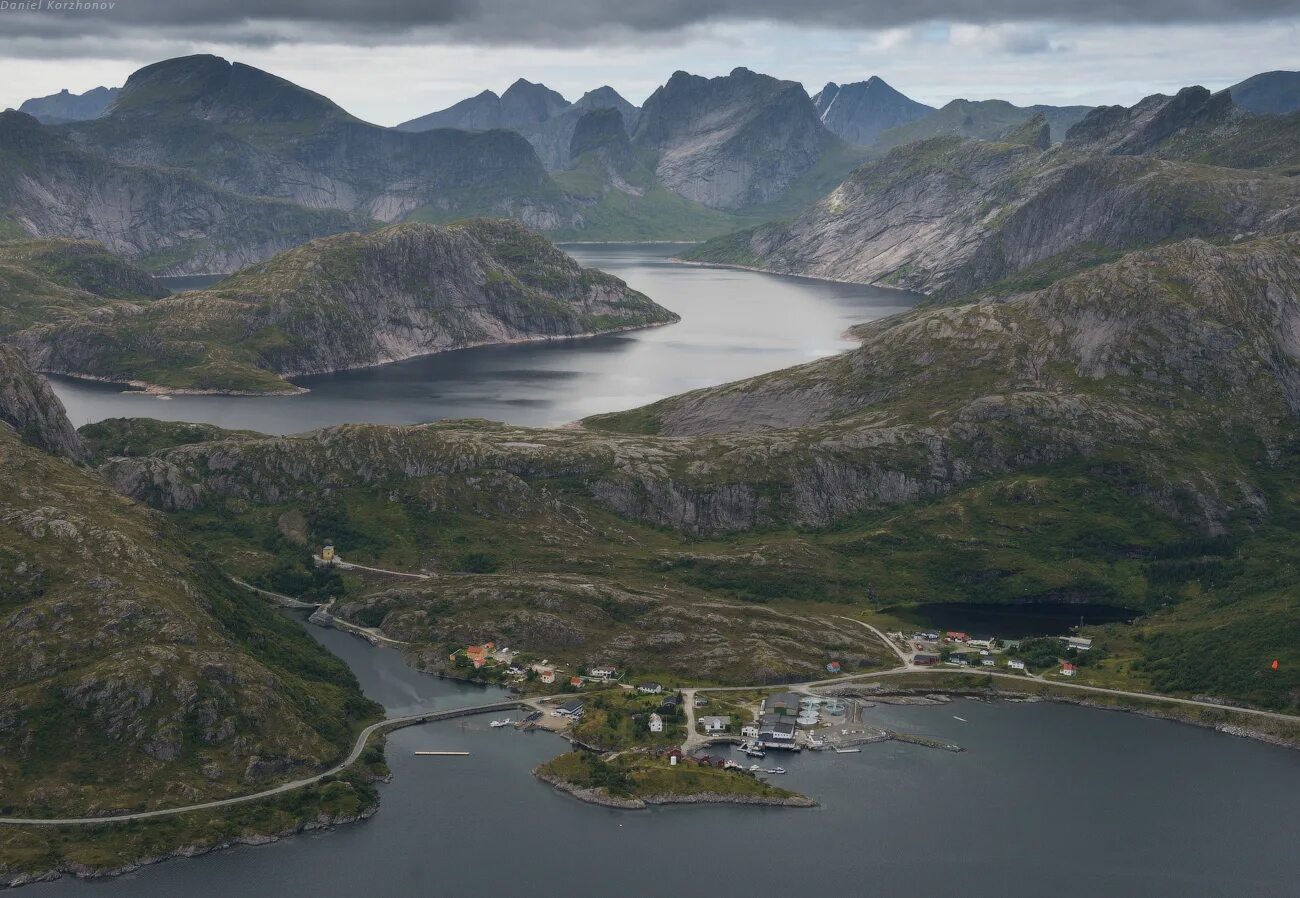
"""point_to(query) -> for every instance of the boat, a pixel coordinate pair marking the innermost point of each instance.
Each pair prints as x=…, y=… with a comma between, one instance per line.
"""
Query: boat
x=775, y=770
x=501, y=723
x=754, y=768
x=962, y=719
x=752, y=750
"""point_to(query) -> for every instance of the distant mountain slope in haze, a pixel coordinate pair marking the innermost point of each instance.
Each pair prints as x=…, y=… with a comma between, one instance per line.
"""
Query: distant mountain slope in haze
x=540, y=114
x=980, y=119
x=523, y=103
x=69, y=107
x=1268, y=93
x=858, y=112
x=733, y=141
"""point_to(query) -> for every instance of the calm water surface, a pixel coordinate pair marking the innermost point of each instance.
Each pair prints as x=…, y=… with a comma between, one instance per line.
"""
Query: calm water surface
x=1047, y=799
x=734, y=324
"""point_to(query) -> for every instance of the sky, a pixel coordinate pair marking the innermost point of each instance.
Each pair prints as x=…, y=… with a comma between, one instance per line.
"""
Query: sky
x=391, y=60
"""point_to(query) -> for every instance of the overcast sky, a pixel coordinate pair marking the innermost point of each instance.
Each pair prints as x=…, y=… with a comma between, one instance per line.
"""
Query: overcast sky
x=390, y=60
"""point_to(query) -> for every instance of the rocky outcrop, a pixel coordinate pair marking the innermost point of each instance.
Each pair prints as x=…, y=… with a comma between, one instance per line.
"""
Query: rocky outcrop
x=30, y=408
x=350, y=301
x=730, y=142
x=858, y=112
x=69, y=107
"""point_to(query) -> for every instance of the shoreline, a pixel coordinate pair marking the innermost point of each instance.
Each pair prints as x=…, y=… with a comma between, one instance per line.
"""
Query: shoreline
x=146, y=388
x=84, y=872
x=603, y=799
x=792, y=274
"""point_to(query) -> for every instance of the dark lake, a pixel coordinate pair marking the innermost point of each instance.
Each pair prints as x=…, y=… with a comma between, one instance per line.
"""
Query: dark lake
x=734, y=324
x=1046, y=799
x=1010, y=621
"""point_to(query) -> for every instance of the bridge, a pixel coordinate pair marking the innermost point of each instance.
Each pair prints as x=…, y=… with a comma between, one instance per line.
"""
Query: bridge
x=383, y=726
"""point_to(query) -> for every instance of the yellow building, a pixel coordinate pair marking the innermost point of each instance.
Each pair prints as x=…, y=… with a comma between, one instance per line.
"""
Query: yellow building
x=327, y=554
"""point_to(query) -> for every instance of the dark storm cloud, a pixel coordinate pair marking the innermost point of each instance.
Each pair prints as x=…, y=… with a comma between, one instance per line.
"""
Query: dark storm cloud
x=566, y=22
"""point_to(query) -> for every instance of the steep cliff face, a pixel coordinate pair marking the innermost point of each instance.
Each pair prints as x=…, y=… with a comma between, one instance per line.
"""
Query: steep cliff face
x=31, y=410
x=950, y=215
x=858, y=112
x=252, y=133
x=734, y=141
x=162, y=219
x=345, y=302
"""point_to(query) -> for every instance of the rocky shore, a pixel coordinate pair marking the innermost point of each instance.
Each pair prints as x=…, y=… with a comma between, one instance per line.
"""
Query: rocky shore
x=83, y=871
x=604, y=799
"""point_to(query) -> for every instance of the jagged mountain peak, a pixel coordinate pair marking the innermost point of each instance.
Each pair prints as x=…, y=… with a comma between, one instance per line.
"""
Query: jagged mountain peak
x=66, y=106
x=859, y=112
x=1141, y=128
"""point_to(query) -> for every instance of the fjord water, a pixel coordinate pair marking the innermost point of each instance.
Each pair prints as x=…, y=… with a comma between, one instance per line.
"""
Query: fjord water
x=1047, y=799
x=734, y=324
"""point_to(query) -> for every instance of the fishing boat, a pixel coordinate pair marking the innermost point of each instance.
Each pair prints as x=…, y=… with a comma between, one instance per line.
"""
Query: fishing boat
x=501, y=723
x=752, y=750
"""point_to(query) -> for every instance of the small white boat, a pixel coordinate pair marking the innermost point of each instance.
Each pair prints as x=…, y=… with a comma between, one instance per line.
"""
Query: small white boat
x=754, y=768
x=775, y=770
x=962, y=719
x=501, y=723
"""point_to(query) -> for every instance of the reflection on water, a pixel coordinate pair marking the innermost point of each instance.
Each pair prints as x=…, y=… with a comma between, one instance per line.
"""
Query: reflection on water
x=734, y=324
x=1010, y=621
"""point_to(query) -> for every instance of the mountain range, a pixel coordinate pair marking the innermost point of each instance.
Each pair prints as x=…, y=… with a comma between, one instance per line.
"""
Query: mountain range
x=953, y=215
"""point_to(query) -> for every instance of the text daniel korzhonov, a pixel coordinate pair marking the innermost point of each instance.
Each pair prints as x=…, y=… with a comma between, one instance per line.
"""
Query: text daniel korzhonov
x=38, y=6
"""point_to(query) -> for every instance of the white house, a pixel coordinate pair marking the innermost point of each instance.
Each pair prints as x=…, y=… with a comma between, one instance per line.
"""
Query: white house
x=603, y=672
x=1078, y=643
x=749, y=731
x=650, y=688
x=1067, y=669
x=1016, y=665
x=656, y=723
x=715, y=724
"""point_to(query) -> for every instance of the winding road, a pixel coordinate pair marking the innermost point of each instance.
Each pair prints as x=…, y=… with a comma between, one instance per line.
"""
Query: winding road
x=392, y=723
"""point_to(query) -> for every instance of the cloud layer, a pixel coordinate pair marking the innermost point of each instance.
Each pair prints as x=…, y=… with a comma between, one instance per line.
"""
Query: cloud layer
x=569, y=22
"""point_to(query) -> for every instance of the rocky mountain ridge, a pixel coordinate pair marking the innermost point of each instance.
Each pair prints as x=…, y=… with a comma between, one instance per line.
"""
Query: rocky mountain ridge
x=66, y=106
x=951, y=215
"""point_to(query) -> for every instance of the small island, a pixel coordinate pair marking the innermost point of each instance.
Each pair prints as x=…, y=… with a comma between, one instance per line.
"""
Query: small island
x=634, y=781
